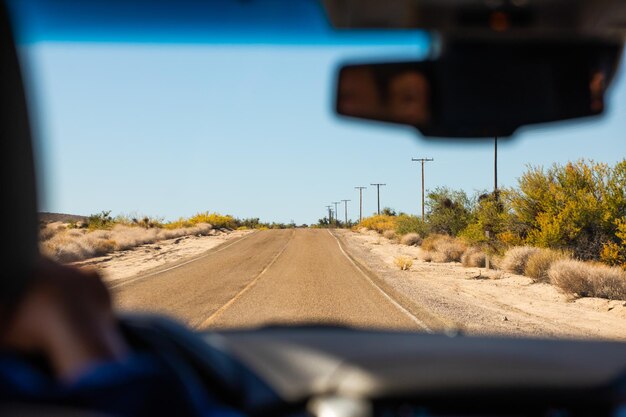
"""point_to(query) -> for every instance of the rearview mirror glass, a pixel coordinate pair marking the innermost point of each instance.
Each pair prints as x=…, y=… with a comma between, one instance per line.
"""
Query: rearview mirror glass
x=481, y=91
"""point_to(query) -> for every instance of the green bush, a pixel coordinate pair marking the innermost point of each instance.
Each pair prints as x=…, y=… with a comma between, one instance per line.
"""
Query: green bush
x=449, y=211
x=575, y=206
x=102, y=220
x=410, y=224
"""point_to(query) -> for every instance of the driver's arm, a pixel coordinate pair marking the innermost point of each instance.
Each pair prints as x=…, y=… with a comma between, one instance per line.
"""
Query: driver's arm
x=65, y=314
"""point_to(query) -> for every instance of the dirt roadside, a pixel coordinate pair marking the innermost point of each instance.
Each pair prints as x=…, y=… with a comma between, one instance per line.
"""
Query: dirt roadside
x=123, y=264
x=479, y=301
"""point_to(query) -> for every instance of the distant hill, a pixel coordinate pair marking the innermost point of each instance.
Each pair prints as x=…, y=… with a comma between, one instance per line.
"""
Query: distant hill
x=60, y=217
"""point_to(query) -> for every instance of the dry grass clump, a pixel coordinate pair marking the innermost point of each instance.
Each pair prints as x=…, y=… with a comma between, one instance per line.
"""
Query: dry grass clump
x=495, y=262
x=411, y=239
x=430, y=242
x=444, y=248
x=515, y=259
x=403, y=262
x=473, y=257
x=425, y=256
x=389, y=234
x=539, y=263
x=586, y=279
x=78, y=244
x=49, y=230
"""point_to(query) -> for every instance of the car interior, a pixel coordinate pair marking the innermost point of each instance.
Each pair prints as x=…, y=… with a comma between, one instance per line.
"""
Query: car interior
x=496, y=66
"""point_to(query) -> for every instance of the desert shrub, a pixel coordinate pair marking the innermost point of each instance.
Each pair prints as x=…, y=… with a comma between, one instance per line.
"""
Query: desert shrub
x=380, y=223
x=515, y=259
x=76, y=232
x=492, y=213
x=389, y=234
x=388, y=211
x=48, y=231
x=473, y=257
x=586, y=279
x=539, y=263
x=103, y=246
x=508, y=238
x=410, y=224
x=614, y=253
x=102, y=220
x=411, y=239
x=444, y=248
x=430, y=242
x=425, y=256
x=495, y=261
x=573, y=206
x=250, y=223
x=449, y=252
x=449, y=211
x=403, y=262
x=75, y=245
x=214, y=219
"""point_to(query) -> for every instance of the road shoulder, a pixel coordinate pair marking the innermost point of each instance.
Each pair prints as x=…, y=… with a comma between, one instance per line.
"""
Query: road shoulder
x=120, y=266
x=477, y=301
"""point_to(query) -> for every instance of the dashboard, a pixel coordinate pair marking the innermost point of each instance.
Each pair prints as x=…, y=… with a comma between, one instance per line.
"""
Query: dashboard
x=341, y=372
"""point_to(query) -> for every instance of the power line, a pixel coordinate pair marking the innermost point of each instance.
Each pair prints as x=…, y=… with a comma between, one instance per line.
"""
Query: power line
x=345, y=206
x=378, y=185
x=330, y=216
x=360, y=202
x=422, y=160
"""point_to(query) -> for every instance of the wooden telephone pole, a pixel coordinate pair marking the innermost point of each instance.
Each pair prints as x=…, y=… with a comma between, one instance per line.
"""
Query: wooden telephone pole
x=422, y=160
x=360, y=202
x=378, y=194
x=345, y=206
x=336, y=212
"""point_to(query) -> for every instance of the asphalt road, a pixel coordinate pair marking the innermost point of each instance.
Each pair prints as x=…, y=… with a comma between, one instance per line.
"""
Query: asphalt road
x=268, y=277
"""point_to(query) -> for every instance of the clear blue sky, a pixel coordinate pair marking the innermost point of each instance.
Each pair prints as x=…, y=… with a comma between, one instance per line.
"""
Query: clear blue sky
x=177, y=128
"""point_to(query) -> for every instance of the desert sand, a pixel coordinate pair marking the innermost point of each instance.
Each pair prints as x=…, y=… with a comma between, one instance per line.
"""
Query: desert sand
x=480, y=301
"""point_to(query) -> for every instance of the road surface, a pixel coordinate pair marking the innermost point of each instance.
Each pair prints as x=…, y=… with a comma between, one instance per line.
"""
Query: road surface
x=268, y=277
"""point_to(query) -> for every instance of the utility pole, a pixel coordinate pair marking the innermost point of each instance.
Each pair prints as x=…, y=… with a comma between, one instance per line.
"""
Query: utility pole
x=360, y=202
x=378, y=193
x=422, y=160
x=335, y=203
x=330, y=215
x=345, y=206
x=495, y=168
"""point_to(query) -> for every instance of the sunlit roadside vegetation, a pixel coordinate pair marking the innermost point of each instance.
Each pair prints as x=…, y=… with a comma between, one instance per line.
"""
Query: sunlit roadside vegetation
x=560, y=225
x=102, y=233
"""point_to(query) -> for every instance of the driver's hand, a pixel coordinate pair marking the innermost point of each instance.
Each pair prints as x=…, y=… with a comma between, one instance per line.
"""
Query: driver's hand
x=66, y=316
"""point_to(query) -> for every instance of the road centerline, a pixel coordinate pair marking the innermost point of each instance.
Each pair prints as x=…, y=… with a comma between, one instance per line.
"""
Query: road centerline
x=251, y=284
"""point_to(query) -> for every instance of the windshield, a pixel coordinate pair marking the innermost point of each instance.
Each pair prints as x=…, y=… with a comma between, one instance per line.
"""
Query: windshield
x=190, y=152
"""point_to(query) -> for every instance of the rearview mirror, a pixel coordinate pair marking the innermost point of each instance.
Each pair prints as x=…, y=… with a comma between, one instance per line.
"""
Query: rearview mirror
x=481, y=90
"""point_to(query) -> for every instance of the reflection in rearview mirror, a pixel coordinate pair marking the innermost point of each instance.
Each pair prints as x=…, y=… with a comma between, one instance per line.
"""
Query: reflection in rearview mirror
x=481, y=91
x=401, y=96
